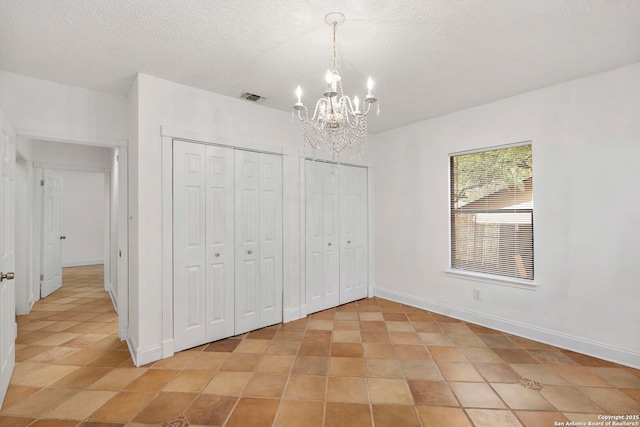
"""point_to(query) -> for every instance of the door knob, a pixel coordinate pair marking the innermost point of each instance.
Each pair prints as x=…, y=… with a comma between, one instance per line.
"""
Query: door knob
x=329, y=243
x=217, y=254
x=348, y=241
x=8, y=276
x=63, y=237
x=249, y=251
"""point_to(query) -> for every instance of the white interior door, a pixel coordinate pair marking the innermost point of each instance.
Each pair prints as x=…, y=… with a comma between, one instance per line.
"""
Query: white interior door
x=247, y=231
x=7, y=255
x=52, y=235
x=189, y=246
x=353, y=233
x=203, y=244
x=219, y=225
x=258, y=232
x=314, y=262
x=271, y=274
x=322, y=236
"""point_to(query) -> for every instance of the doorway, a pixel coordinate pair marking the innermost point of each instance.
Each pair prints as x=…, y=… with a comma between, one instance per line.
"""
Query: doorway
x=87, y=166
x=75, y=226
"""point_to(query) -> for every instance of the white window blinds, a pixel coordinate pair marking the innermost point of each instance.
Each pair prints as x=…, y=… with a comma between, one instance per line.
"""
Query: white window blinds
x=492, y=212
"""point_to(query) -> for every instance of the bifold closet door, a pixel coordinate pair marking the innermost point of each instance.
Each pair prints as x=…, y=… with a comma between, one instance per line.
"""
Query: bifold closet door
x=203, y=244
x=322, y=213
x=258, y=240
x=353, y=234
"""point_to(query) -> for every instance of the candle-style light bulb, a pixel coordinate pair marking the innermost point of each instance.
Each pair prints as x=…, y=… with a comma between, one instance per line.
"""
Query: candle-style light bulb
x=298, y=105
x=356, y=103
x=370, y=86
x=331, y=84
x=299, y=94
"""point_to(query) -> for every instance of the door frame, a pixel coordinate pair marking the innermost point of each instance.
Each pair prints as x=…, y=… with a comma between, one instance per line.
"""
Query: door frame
x=25, y=294
x=107, y=226
x=168, y=134
x=303, y=158
x=121, y=303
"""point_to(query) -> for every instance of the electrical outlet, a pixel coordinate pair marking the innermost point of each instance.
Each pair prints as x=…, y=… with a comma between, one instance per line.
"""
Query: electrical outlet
x=476, y=294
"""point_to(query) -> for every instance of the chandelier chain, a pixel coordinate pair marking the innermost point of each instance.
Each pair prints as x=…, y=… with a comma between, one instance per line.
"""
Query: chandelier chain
x=335, y=65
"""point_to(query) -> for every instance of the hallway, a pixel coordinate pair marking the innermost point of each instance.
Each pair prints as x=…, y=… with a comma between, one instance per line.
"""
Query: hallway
x=372, y=362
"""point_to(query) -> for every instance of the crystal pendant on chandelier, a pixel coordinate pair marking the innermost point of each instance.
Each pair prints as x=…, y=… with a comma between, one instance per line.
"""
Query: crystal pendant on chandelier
x=338, y=124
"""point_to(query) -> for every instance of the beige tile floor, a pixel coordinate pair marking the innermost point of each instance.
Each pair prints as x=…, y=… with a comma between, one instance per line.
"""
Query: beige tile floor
x=372, y=362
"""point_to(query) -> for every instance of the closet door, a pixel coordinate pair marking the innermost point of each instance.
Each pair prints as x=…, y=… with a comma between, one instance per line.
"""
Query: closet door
x=219, y=225
x=353, y=233
x=322, y=236
x=203, y=244
x=189, y=245
x=258, y=255
x=271, y=274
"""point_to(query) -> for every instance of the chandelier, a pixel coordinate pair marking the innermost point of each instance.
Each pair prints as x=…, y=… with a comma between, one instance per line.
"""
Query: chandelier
x=338, y=123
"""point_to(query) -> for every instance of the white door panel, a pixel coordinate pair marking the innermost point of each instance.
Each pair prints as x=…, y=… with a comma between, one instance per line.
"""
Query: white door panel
x=322, y=236
x=220, y=243
x=7, y=255
x=361, y=233
x=331, y=231
x=353, y=233
x=271, y=274
x=203, y=244
x=189, y=270
x=52, y=234
x=247, y=226
x=314, y=272
x=258, y=218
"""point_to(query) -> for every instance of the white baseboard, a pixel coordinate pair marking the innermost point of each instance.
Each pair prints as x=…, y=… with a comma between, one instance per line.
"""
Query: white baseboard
x=114, y=300
x=290, y=314
x=133, y=345
x=82, y=263
x=143, y=356
x=546, y=336
x=168, y=349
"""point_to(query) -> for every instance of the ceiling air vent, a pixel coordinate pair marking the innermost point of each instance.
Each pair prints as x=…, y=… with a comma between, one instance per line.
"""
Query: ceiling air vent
x=251, y=96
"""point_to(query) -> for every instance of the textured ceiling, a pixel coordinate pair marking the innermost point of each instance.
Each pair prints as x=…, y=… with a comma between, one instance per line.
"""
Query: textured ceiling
x=428, y=57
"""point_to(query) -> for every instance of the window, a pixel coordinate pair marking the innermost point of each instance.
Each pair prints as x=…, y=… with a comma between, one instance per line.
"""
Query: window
x=492, y=211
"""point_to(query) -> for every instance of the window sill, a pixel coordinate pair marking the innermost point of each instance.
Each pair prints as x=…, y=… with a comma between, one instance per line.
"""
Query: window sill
x=529, y=285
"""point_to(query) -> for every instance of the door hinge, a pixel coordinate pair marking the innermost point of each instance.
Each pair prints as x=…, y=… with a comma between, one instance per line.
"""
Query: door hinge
x=120, y=253
x=42, y=183
x=117, y=157
x=42, y=277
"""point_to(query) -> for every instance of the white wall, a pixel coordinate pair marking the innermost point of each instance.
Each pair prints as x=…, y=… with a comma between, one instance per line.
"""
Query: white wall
x=43, y=109
x=586, y=146
x=82, y=218
x=133, y=324
x=62, y=154
x=163, y=103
